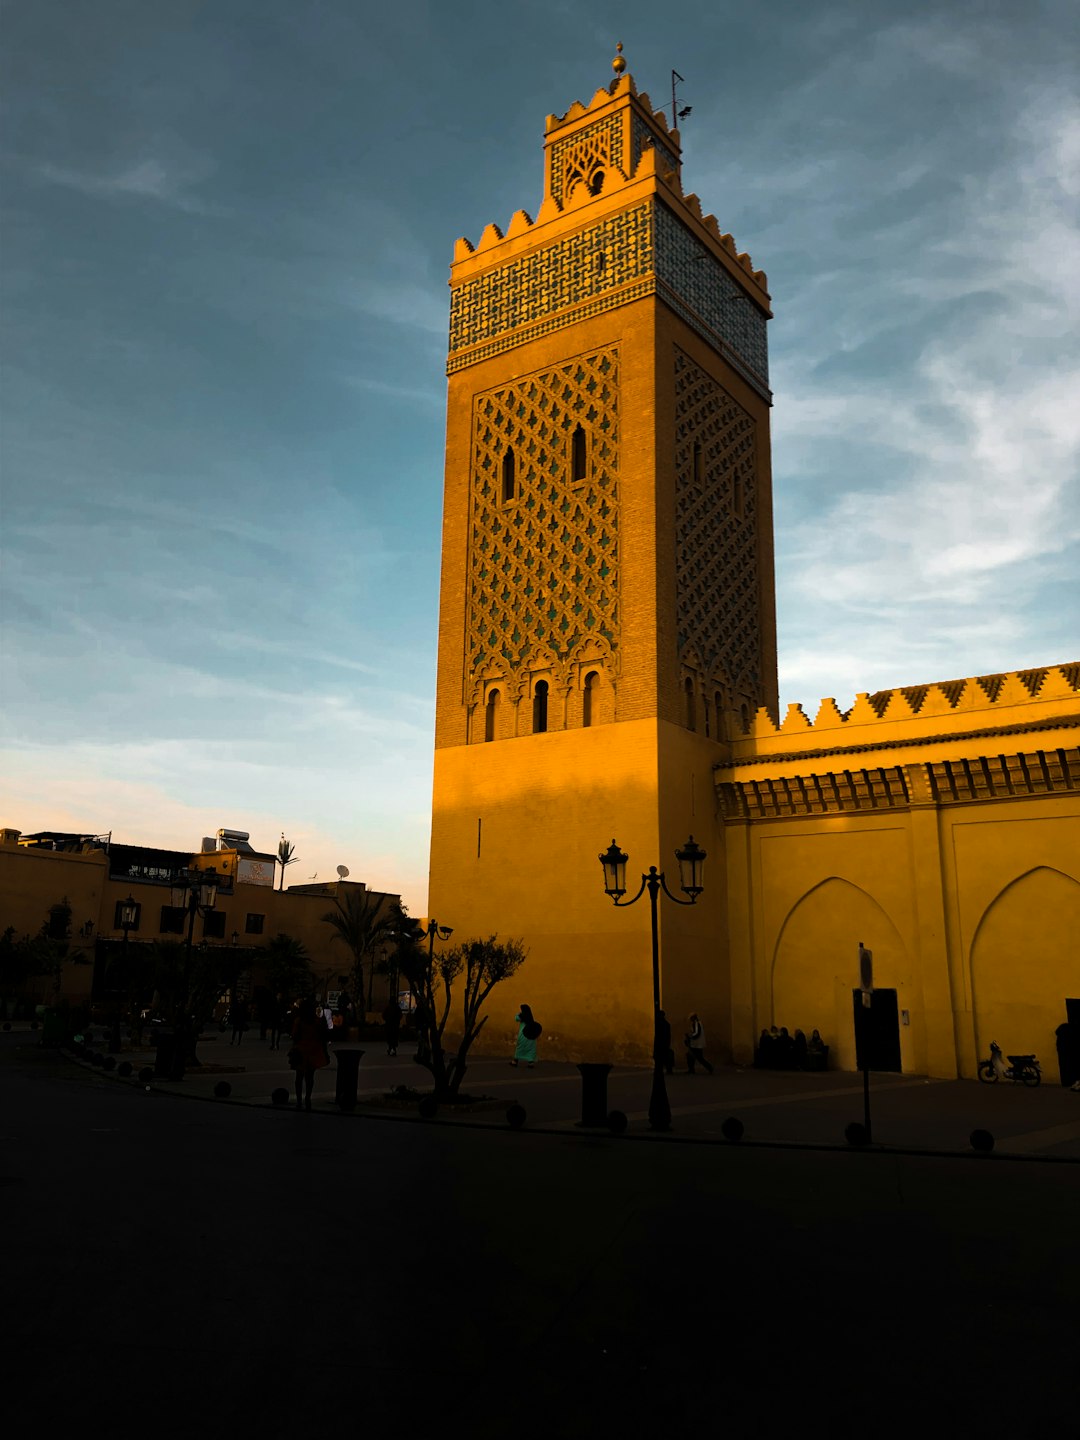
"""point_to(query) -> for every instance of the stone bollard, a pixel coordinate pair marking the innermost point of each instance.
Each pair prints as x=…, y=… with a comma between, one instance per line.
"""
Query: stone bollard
x=594, y=1109
x=348, y=1077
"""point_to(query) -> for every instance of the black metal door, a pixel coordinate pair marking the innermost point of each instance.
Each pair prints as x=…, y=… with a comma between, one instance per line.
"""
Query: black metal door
x=877, y=1031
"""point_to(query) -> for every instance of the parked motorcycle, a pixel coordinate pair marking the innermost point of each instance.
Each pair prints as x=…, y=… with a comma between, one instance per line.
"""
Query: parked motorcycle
x=1021, y=1068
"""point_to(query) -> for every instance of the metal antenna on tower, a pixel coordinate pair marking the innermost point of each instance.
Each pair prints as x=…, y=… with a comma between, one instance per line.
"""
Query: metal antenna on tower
x=676, y=113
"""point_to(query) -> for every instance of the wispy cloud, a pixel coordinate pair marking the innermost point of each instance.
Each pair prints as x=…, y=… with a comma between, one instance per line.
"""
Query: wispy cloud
x=148, y=178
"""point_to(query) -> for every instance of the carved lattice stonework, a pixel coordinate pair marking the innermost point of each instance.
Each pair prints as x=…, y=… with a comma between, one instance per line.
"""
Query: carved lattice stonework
x=580, y=268
x=642, y=251
x=699, y=289
x=715, y=534
x=579, y=158
x=544, y=565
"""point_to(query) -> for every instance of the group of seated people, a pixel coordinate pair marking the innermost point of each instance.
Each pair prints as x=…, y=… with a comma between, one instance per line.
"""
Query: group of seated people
x=777, y=1050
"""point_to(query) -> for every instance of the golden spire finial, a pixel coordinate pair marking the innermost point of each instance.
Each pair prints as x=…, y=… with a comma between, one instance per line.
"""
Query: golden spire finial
x=618, y=64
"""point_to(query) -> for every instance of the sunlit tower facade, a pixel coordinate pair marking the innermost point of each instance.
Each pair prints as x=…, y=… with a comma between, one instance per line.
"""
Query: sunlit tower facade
x=607, y=620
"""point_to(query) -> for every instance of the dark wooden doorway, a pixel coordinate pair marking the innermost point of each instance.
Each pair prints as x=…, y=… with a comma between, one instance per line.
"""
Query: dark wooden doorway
x=877, y=1031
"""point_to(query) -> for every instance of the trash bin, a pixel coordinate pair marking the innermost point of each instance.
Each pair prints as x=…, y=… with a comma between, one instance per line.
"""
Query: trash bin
x=348, y=1076
x=168, y=1056
x=594, y=1109
x=52, y=1028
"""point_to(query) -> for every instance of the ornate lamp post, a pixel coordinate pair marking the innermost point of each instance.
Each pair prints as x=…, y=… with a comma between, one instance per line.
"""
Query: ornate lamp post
x=434, y=932
x=691, y=858
x=192, y=890
x=129, y=911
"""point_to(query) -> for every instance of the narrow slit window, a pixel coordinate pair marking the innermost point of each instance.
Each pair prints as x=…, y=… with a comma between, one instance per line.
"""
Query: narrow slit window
x=699, y=466
x=540, y=707
x=578, y=454
x=691, y=706
x=491, y=715
x=588, y=699
x=508, y=480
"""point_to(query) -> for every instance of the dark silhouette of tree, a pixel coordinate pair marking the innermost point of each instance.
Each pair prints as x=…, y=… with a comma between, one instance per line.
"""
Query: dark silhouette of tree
x=286, y=856
x=360, y=920
x=288, y=968
x=479, y=965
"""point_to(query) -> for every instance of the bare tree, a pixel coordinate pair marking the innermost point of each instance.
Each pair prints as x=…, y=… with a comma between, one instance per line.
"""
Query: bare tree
x=480, y=965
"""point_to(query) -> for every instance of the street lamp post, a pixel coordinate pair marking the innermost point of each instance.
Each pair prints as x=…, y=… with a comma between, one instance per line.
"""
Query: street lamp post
x=129, y=910
x=434, y=932
x=192, y=890
x=691, y=858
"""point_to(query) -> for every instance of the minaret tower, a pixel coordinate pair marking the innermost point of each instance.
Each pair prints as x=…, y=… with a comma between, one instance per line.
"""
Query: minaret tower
x=607, y=615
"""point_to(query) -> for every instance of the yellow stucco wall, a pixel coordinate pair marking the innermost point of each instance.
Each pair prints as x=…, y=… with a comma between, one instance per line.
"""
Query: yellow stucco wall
x=960, y=869
x=31, y=880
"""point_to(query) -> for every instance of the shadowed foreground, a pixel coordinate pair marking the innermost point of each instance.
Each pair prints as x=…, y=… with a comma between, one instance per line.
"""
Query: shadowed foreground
x=229, y=1270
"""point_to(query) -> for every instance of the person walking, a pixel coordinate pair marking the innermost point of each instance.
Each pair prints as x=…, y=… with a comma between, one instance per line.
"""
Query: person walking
x=695, y=1046
x=528, y=1034
x=309, y=1050
x=239, y=1022
x=392, y=1020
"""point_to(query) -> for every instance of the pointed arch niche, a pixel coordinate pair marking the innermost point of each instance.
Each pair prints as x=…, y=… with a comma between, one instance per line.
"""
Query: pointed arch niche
x=1024, y=963
x=815, y=967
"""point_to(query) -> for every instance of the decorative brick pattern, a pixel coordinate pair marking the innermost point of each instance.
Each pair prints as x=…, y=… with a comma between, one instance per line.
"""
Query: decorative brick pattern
x=544, y=566
x=716, y=573
x=642, y=251
x=710, y=299
x=642, y=138
x=579, y=158
x=580, y=268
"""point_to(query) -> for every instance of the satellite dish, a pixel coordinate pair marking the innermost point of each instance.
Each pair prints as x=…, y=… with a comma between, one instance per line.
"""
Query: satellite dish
x=342, y=871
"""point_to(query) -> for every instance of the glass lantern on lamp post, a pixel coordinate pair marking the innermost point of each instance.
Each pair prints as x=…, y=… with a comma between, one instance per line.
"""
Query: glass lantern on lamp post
x=691, y=858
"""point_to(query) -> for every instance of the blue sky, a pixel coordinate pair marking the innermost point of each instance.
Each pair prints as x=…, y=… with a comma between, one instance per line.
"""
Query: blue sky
x=226, y=227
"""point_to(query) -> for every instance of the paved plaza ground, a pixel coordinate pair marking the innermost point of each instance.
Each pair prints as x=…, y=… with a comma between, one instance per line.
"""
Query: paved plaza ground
x=773, y=1106
x=185, y=1266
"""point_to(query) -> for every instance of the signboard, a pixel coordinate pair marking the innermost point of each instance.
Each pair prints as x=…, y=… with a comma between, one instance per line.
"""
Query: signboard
x=255, y=872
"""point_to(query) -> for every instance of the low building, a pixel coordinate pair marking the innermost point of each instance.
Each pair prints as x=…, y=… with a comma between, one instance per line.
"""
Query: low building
x=73, y=891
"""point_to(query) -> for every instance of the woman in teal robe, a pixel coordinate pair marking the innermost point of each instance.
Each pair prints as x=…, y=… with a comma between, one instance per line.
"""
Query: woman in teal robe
x=526, y=1040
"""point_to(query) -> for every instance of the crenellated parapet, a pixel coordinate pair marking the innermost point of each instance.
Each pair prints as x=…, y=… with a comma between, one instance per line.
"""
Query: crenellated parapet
x=956, y=742
x=599, y=184
x=614, y=226
x=913, y=710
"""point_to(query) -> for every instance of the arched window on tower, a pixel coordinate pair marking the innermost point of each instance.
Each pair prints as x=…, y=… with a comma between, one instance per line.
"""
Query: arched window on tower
x=699, y=464
x=491, y=715
x=540, y=707
x=508, y=474
x=578, y=455
x=691, y=706
x=596, y=182
x=589, y=698
x=718, y=701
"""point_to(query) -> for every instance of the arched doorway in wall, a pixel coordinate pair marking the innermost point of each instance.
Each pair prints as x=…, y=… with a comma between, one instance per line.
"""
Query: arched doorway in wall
x=1024, y=958
x=816, y=965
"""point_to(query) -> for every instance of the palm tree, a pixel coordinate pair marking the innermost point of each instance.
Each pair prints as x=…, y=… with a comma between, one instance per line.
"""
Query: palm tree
x=285, y=857
x=360, y=920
